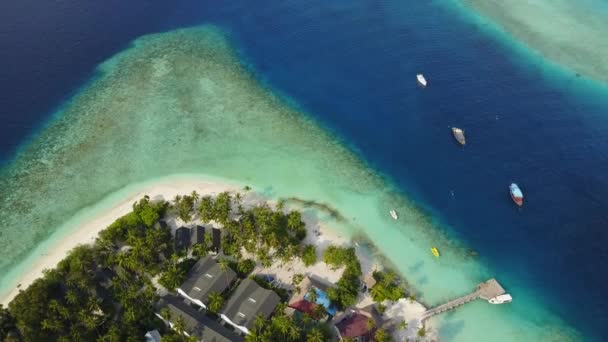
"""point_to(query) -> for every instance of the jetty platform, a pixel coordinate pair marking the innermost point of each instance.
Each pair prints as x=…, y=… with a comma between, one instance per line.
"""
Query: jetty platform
x=486, y=291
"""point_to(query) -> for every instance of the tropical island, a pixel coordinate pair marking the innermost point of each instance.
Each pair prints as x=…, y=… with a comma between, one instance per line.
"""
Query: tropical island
x=222, y=267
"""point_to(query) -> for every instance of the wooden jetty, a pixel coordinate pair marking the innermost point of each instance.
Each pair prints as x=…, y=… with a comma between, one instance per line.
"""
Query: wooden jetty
x=486, y=291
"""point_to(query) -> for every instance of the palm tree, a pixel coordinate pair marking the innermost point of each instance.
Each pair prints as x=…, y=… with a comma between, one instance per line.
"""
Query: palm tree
x=318, y=312
x=294, y=331
x=312, y=295
x=180, y=325
x=199, y=249
x=215, y=301
x=382, y=336
x=371, y=324
x=403, y=325
x=281, y=324
x=195, y=196
x=166, y=314
x=315, y=335
x=422, y=332
x=224, y=266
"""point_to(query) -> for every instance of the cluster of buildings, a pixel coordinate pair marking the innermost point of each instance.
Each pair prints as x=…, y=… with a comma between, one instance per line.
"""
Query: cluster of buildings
x=246, y=300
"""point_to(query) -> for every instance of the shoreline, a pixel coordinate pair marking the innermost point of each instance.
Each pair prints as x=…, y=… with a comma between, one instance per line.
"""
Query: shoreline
x=56, y=248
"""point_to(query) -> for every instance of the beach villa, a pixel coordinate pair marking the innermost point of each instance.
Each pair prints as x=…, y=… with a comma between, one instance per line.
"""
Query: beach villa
x=205, y=277
x=356, y=326
x=182, y=238
x=195, y=323
x=197, y=235
x=247, y=302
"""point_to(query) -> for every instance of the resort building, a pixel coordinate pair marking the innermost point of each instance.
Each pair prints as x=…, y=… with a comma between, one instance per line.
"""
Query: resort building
x=195, y=323
x=205, y=277
x=182, y=238
x=248, y=301
x=197, y=235
x=356, y=326
x=216, y=239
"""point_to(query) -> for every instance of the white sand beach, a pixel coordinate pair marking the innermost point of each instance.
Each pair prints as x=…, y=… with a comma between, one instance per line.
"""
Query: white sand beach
x=86, y=232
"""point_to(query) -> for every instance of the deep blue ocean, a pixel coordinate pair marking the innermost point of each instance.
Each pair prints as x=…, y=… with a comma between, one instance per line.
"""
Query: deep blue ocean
x=353, y=67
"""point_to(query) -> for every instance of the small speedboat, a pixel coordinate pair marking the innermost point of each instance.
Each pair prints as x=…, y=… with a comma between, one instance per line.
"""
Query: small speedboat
x=393, y=214
x=504, y=298
x=516, y=195
x=421, y=80
x=459, y=135
x=435, y=251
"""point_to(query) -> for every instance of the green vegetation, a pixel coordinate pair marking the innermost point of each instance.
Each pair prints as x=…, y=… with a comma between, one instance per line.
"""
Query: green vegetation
x=422, y=332
x=382, y=336
x=344, y=294
x=297, y=278
x=282, y=328
x=259, y=230
x=216, y=301
x=183, y=206
x=175, y=273
x=8, y=330
x=268, y=286
x=70, y=304
x=386, y=287
x=309, y=255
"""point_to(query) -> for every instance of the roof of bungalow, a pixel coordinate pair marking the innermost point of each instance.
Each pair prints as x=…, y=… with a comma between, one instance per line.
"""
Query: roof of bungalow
x=182, y=237
x=216, y=235
x=248, y=301
x=197, y=235
x=153, y=336
x=304, y=306
x=196, y=323
x=354, y=325
x=205, y=277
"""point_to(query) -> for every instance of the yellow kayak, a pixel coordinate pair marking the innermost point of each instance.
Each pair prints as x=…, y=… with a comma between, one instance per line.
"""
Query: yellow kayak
x=435, y=252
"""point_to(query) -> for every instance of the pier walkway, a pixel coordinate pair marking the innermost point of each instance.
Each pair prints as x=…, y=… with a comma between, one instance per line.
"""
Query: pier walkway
x=485, y=291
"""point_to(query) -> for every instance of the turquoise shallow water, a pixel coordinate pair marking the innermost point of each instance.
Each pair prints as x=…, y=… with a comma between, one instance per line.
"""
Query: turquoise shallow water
x=180, y=102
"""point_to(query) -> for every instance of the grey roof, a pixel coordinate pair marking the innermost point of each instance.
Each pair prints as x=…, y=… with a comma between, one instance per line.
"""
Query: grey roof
x=248, y=301
x=196, y=323
x=197, y=235
x=207, y=276
x=217, y=239
x=182, y=237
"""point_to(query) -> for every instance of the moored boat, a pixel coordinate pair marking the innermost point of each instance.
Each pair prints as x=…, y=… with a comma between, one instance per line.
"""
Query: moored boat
x=421, y=80
x=393, y=214
x=516, y=194
x=435, y=251
x=459, y=135
x=504, y=298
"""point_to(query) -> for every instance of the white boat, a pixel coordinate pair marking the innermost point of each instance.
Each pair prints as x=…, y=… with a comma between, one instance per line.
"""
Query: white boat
x=516, y=195
x=421, y=80
x=504, y=298
x=394, y=214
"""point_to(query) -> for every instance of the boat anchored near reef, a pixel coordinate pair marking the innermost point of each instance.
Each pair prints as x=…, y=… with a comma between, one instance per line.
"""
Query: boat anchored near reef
x=435, y=251
x=393, y=214
x=459, y=135
x=421, y=80
x=516, y=194
x=504, y=298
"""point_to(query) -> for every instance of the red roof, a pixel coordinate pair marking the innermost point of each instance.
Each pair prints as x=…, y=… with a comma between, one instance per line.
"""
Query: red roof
x=354, y=326
x=303, y=306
